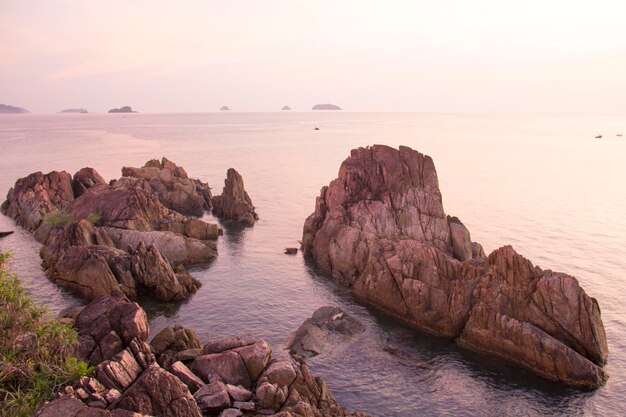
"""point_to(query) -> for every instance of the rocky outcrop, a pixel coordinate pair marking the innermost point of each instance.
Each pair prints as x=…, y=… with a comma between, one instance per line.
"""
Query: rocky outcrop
x=84, y=179
x=98, y=237
x=227, y=376
x=381, y=230
x=171, y=184
x=35, y=196
x=328, y=326
x=234, y=203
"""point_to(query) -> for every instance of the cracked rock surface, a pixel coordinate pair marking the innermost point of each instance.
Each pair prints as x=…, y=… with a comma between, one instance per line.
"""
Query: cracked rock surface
x=380, y=229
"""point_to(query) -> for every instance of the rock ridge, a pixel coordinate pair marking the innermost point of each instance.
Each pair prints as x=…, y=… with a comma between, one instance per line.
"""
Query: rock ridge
x=380, y=229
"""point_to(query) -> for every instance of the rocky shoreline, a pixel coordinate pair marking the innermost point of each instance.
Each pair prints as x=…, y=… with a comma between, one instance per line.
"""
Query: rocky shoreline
x=137, y=233
x=380, y=230
x=178, y=375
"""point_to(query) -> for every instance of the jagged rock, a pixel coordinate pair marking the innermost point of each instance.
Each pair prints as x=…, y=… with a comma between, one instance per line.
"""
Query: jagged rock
x=159, y=393
x=171, y=184
x=85, y=179
x=255, y=357
x=108, y=325
x=83, y=258
x=35, y=196
x=179, y=370
x=172, y=340
x=234, y=203
x=212, y=397
x=238, y=393
x=327, y=325
x=179, y=250
x=380, y=229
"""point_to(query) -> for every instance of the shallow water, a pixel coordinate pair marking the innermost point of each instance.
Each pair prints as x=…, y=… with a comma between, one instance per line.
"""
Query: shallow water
x=542, y=184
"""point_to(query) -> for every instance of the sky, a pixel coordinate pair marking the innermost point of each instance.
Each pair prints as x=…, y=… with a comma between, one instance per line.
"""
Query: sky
x=453, y=56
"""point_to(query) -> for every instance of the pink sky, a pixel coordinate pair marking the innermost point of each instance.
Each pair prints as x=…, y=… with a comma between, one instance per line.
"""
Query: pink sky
x=446, y=56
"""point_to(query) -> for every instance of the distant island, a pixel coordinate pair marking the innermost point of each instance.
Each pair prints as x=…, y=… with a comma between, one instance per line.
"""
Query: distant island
x=125, y=109
x=7, y=109
x=286, y=108
x=224, y=108
x=326, y=106
x=79, y=111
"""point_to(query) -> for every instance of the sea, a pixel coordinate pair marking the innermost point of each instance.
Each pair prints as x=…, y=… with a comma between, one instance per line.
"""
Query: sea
x=543, y=184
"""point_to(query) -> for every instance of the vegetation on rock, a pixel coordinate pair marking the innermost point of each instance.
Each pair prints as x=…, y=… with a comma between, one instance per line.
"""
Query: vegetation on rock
x=36, y=353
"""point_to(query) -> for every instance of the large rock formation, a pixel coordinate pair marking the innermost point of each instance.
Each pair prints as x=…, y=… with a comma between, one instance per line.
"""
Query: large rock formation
x=380, y=229
x=171, y=184
x=234, y=203
x=98, y=237
x=8, y=109
x=173, y=376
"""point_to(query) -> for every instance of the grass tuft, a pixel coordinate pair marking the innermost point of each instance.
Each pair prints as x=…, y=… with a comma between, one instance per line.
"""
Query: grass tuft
x=36, y=353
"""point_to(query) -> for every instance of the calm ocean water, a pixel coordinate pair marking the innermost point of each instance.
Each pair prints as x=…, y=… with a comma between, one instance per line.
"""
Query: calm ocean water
x=542, y=184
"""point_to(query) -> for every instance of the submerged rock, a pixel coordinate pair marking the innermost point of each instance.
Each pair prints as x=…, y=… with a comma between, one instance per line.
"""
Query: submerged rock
x=234, y=203
x=381, y=230
x=328, y=325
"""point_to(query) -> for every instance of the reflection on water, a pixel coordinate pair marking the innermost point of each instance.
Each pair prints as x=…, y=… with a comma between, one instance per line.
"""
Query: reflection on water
x=539, y=183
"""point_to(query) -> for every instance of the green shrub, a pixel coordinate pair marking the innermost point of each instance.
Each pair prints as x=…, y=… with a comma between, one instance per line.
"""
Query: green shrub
x=58, y=219
x=36, y=353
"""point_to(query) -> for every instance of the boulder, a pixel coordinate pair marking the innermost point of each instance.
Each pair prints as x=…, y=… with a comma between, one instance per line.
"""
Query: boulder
x=212, y=398
x=108, y=325
x=172, y=340
x=179, y=370
x=380, y=229
x=227, y=365
x=328, y=325
x=85, y=179
x=157, y=392
x=35, y=196
x=234, y=203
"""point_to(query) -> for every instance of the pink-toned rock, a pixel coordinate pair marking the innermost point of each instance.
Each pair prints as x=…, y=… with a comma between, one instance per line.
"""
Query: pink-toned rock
x=35, y=196
x=159, y=393
x=179, y=370
x=380, y=229
x=213, y=397
x=84, y=180
x=255, y=357
x=234, y=203
x=228, y=365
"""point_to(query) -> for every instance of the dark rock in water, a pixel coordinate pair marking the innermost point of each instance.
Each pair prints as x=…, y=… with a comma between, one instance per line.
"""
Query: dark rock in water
x=317, y=128
x=328, y=325
x=7, y=109
x=599, y=137
x=286, y=108
x=3, y=234
x=124, y=109
x=224, y=108
x=83, y=111
x=291, y=251
x=381, y=230
x=327, y=106
x=234, y=203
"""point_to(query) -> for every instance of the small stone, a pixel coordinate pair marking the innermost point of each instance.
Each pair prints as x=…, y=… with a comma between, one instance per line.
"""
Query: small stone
x=291, y=251
x=245, y=405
